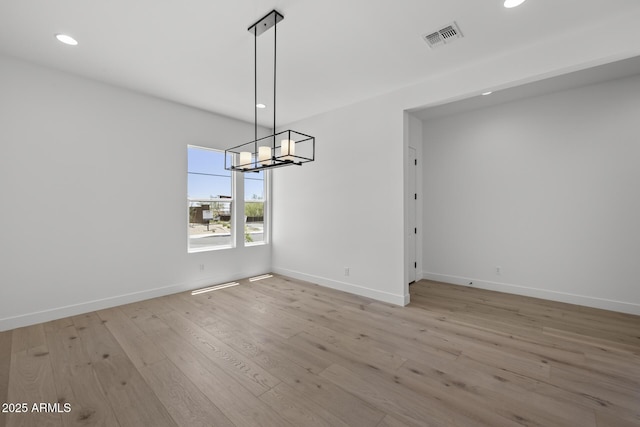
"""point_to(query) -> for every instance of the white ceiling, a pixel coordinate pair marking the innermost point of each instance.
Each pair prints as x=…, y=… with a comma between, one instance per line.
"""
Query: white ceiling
x=331, y=53
x=610, y=71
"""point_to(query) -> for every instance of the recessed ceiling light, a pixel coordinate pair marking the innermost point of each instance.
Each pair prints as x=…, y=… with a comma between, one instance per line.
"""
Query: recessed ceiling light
x=513, y=3
x=486, y=93
x=66, y=39
x=261, y=106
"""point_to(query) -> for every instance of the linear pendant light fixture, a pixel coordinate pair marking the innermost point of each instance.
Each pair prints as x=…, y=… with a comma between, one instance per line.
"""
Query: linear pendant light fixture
x=283, y=148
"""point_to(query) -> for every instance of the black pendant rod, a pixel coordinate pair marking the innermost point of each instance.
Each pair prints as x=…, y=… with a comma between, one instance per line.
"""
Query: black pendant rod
x=255, y=83
x=275, y=45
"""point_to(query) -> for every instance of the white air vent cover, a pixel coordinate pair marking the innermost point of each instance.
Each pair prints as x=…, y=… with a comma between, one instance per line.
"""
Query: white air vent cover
x=445, y=35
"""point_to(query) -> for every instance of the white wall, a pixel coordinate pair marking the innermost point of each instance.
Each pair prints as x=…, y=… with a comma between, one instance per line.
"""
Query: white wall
x=545, y=188
x=348, y=209
x=93, y=191
x=345, y=209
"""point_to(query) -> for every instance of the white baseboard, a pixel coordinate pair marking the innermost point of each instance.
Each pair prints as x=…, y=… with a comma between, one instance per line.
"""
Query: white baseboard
x=346, y=287
x=605, y=304
x=8, y=323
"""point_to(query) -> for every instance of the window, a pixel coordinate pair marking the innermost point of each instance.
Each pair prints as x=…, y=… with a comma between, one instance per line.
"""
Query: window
x=209, y=200
x=254, y=207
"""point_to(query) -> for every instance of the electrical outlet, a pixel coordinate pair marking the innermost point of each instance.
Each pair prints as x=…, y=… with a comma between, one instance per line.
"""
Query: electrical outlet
x=201, y=267
x=346, y=271
x=498, y=270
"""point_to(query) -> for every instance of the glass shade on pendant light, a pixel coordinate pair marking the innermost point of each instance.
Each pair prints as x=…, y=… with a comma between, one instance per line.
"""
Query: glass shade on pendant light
x=264, y=155
x=288, y=149
x=245, y=160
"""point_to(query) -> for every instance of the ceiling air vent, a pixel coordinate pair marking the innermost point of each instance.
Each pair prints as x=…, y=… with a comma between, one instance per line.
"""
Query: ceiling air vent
x=445, y=35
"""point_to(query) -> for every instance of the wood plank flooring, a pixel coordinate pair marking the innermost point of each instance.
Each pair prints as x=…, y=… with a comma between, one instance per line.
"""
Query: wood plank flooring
x=281, y=352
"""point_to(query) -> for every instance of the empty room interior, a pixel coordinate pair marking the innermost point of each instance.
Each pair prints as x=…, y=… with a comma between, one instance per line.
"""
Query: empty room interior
x=320, y=213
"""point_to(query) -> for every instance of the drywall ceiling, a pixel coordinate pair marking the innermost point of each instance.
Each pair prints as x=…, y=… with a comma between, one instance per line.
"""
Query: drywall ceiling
x=331, y=53
x=610, y=71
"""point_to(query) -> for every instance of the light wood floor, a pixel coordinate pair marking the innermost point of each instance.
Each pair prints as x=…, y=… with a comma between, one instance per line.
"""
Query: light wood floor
x=281, y=352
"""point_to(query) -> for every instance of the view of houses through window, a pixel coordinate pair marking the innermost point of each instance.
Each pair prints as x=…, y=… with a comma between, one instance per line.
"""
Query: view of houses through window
x=209, y=198
x=254, y=207
x=210, y=202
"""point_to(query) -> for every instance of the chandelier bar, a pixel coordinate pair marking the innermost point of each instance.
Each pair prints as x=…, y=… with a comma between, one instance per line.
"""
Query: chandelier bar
x=283, y=148
x=291, y=148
